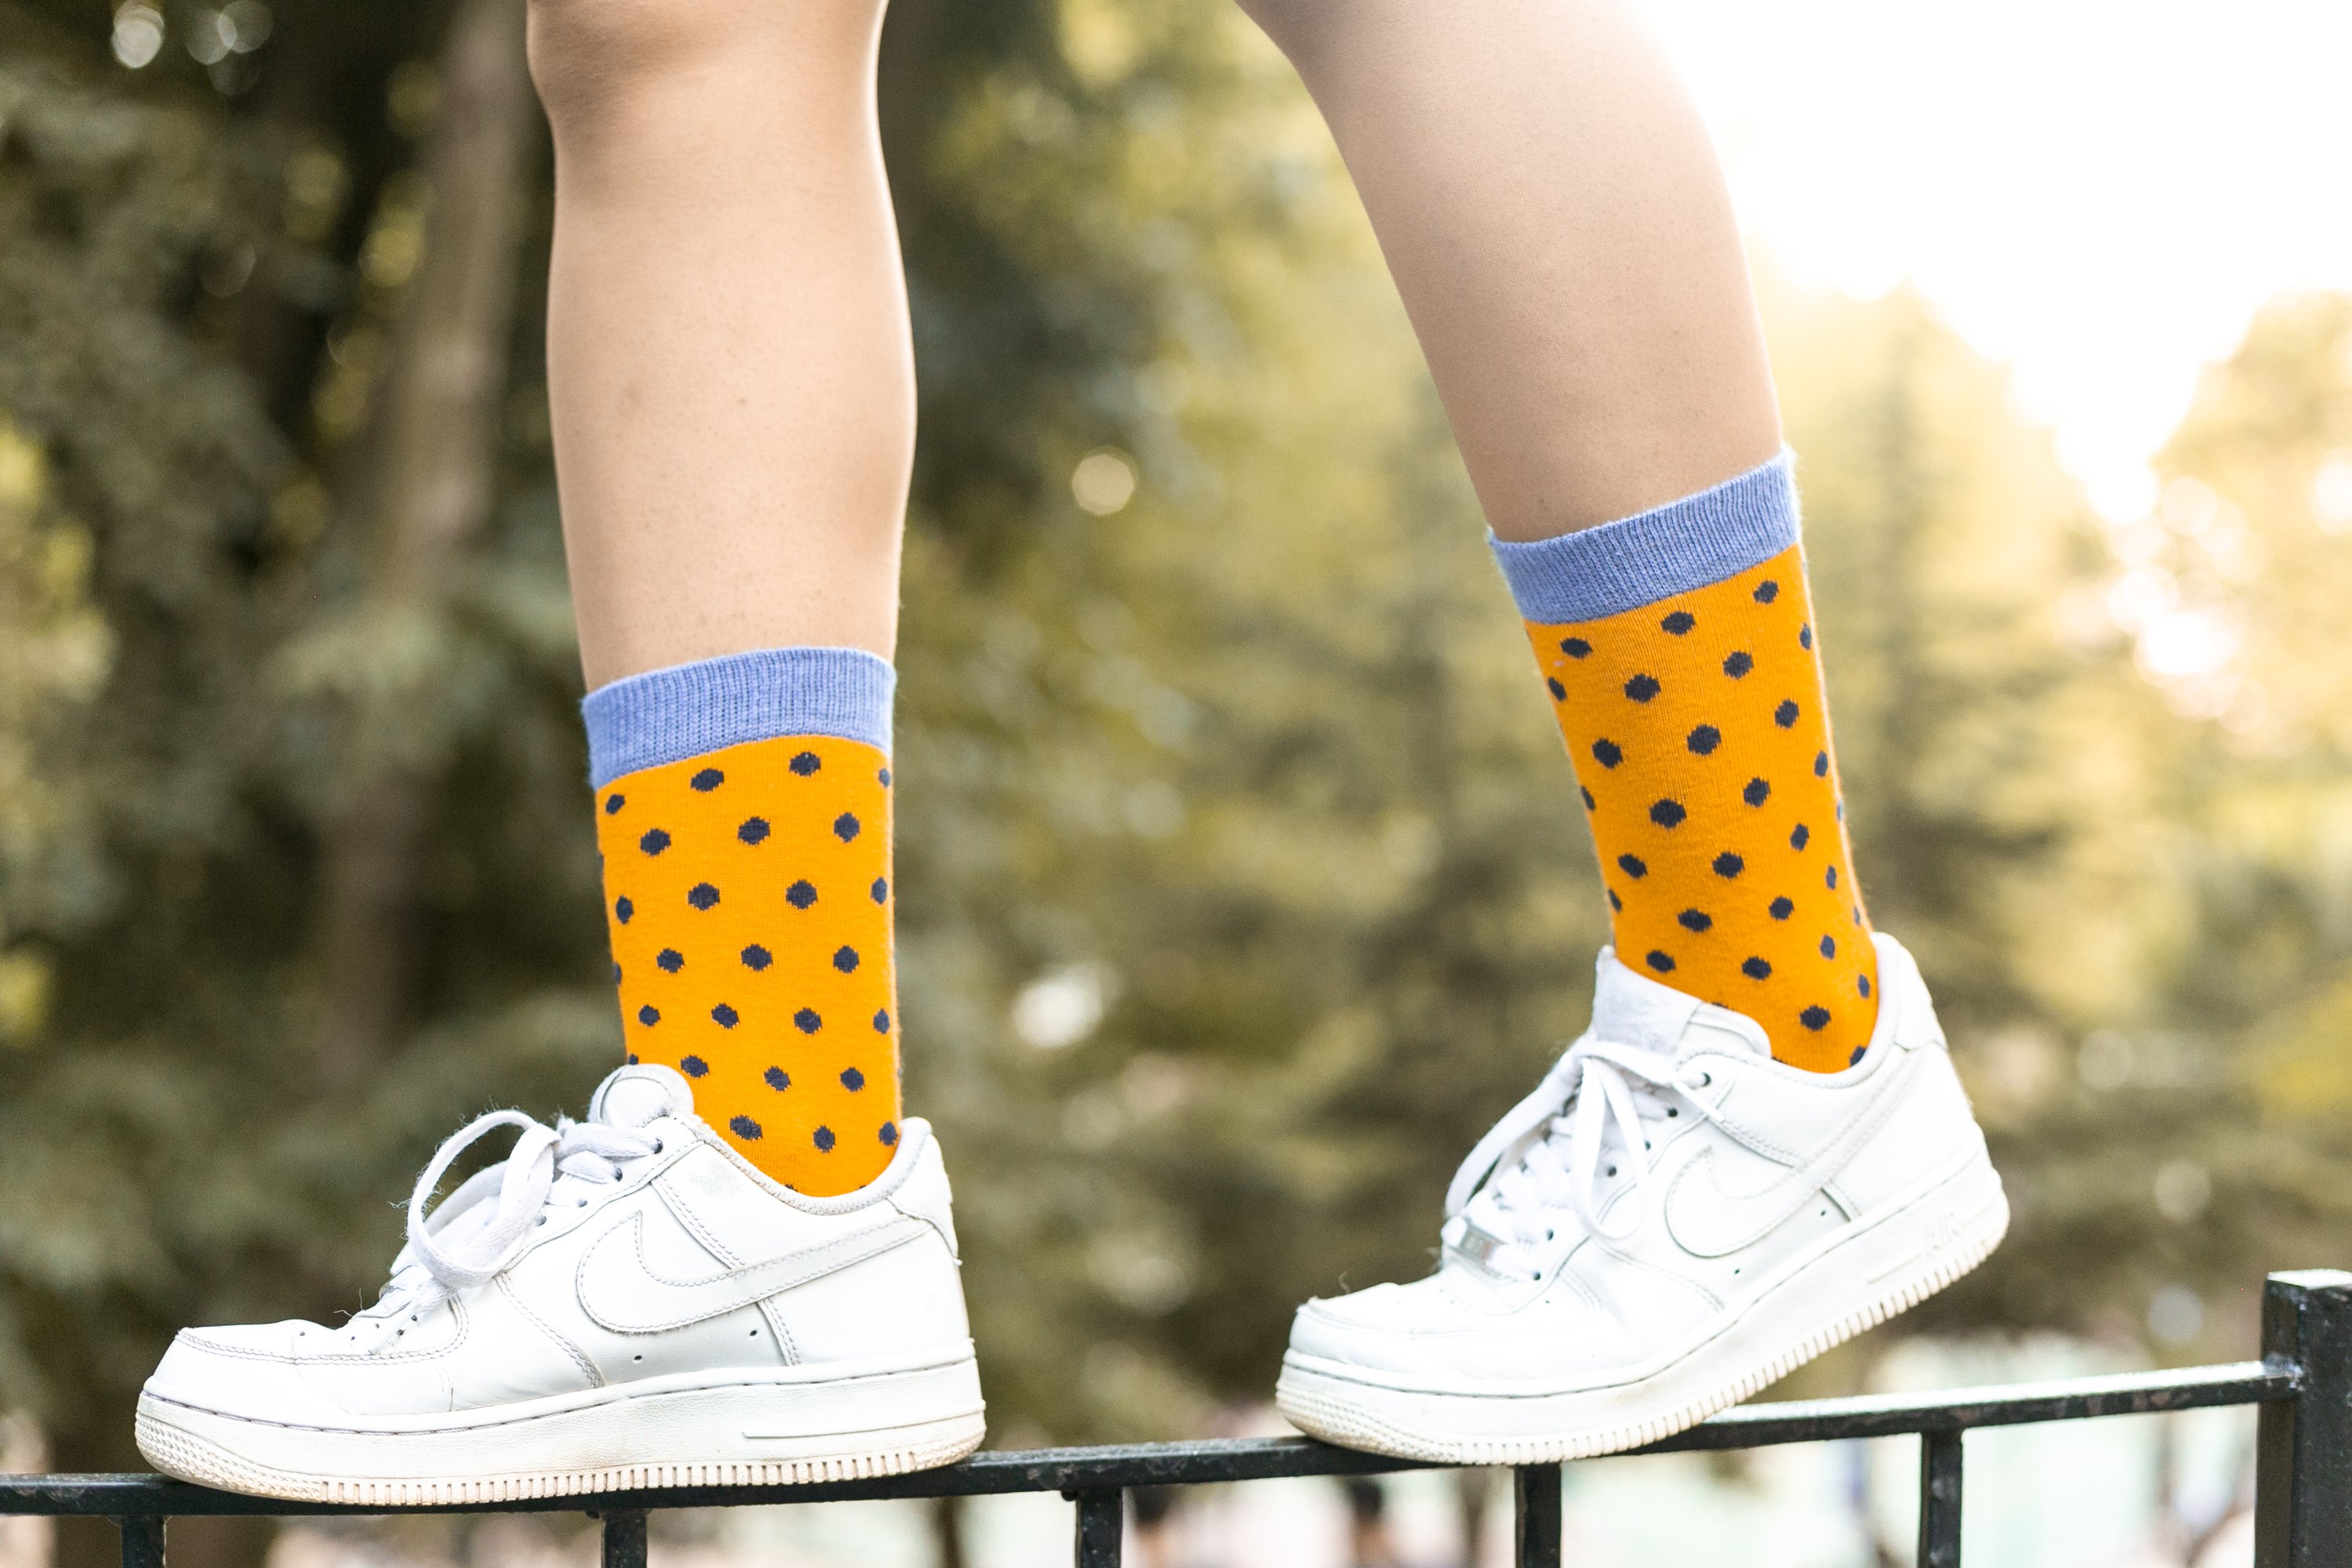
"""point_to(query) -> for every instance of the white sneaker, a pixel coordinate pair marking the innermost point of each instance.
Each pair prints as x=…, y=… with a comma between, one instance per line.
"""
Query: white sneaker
x=622, y=1302
x=1672, y=1221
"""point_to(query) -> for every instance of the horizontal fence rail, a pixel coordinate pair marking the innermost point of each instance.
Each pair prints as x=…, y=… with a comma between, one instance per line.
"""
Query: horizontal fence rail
x=2303, y=1508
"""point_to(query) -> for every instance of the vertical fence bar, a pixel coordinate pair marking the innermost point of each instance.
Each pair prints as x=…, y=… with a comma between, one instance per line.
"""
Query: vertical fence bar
x=1939, y=1499
x=1535, y=1516
x=1102, y=1526
x=142, y=1540
x=2303, y=1452
x=625, y=1538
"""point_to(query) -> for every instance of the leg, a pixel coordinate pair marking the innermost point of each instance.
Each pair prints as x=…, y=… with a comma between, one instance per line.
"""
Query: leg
x=1551, y=207
x=728, y=360
x=709, y=1251
x=732, y=381
x=1557, y=224
x=1557, y=227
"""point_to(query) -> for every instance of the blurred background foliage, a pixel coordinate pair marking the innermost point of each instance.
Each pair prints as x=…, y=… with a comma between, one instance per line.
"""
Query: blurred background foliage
x=1242, y=887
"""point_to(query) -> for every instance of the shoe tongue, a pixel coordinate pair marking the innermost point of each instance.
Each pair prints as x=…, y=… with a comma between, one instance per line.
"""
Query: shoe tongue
x=633, y=1095
x=1630, y=1009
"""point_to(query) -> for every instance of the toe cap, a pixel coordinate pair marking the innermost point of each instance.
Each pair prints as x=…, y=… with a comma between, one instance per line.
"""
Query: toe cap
x=244, y=1369
x=1451, y=1332
x=1387, y=1328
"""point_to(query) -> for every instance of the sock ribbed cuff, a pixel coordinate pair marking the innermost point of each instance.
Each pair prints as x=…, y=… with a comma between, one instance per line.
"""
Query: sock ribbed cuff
x=667, y=715
x=1689, y=543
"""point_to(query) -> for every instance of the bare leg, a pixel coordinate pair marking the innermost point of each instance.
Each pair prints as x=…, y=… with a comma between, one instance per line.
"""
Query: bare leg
x=1553, y=210
x=732, y=381
x=1558, y=226
x=729, y=364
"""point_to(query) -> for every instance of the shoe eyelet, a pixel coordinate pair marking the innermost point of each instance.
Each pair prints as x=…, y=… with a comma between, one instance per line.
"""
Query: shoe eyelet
x=657, y=1145
x=580, y=1204
x=1673, y=1111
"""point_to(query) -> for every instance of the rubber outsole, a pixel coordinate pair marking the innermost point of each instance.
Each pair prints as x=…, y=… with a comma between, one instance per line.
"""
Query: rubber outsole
x=1347, y=1412
x=559, y=1456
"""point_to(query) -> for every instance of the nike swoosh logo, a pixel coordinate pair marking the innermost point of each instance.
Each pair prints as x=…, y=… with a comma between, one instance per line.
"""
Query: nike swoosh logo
x=1720, y=1224
x=621, y=1292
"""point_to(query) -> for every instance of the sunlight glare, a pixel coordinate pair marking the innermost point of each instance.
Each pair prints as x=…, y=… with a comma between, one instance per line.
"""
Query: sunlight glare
x=2101, y=194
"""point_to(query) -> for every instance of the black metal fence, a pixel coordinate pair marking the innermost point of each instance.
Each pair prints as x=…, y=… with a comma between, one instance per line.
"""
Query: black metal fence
x=2302, y=1481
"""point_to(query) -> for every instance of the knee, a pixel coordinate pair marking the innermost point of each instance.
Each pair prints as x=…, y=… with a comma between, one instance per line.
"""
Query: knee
x=589, y=56
x=583, y=52
x=1299, y=28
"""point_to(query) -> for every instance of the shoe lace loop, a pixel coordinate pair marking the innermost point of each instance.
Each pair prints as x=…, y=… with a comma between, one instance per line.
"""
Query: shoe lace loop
x=1546, y=1153
x=459, y=1244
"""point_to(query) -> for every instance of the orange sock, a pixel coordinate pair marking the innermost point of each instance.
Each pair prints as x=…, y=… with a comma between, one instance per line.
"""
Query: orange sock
x=749, y=898
x=1696, y=721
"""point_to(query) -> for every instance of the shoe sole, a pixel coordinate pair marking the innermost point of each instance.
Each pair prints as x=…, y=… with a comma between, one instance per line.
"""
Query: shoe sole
x=738, y=1434
x=1857, y=1282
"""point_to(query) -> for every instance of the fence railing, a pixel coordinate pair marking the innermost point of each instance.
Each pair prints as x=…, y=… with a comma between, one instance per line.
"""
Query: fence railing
x=2302, y=1467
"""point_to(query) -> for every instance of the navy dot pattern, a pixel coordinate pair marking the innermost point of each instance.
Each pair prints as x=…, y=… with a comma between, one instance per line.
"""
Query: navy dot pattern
x=750, y=899
x=1697, y=727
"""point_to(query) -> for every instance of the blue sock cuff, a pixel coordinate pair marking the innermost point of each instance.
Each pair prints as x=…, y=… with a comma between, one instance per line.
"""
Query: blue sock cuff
x=1639, y=560
x=669, y=715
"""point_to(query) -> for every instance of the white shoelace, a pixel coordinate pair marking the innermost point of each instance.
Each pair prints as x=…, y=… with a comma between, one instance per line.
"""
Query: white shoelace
x=477, y=1229
x=1546, y=1155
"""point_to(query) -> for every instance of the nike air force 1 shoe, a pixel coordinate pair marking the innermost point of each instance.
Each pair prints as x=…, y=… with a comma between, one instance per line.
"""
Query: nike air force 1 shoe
x=1670, y=1222
x=622, y=1302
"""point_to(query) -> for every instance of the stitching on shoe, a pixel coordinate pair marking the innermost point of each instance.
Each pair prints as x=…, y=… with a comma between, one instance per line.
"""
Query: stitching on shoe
x=594, y=1373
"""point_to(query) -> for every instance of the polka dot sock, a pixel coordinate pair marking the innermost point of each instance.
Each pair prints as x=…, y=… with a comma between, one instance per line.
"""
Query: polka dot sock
x=743, y=820
x=1679, y=651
